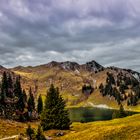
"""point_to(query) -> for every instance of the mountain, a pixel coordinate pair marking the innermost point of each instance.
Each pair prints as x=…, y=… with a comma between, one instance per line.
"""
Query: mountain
x=88, y=84
x=93, y=66
x=2, y=69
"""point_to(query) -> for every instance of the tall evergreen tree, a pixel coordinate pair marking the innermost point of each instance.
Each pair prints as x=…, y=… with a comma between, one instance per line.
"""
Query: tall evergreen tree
x=40, y=105
x=17, y=87
x=31, y=102
x=10, y=86
x=30, y=132
x=40, y=135
x=24, y=96
x=54, y=115
x=122, y=112
x=22, y=101
x=4, y=88
x=18, y=93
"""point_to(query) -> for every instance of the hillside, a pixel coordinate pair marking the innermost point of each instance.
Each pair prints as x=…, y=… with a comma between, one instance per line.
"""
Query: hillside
x=117, y=129
x=70, y=78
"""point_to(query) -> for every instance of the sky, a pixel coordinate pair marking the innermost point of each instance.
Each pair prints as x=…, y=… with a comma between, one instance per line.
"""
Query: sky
x=34, y=32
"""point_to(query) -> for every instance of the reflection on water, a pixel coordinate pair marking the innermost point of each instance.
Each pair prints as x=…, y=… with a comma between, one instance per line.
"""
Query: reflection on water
x=88, y=114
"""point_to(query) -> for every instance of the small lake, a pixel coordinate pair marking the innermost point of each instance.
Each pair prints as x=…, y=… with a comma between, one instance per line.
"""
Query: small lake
x=89, y=114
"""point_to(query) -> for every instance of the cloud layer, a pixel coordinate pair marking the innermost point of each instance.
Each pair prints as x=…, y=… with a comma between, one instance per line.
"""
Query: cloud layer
x=38, y=31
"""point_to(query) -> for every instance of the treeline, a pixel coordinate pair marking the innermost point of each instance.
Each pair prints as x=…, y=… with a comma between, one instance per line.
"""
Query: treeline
x=14, y=102
x=120, y=88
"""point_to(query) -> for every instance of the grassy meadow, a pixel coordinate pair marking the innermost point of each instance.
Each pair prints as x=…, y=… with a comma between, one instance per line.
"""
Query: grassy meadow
x=118, y=129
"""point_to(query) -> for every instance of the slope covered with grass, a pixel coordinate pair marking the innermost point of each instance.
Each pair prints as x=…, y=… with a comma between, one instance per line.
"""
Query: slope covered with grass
x=118, y=129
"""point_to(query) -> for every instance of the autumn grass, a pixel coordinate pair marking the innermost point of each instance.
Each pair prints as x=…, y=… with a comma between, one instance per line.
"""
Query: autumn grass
x=118, y=129
x=10, y=128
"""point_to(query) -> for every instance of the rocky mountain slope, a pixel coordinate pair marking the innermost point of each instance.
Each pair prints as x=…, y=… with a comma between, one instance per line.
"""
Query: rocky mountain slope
x=79, y=84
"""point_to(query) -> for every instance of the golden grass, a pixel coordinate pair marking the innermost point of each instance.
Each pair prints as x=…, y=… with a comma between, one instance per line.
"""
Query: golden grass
x=10, y=128
x=118, y=129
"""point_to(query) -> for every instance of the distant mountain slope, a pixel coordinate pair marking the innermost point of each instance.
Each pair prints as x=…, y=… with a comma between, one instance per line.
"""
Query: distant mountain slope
x=2, y=69
x=70, y=77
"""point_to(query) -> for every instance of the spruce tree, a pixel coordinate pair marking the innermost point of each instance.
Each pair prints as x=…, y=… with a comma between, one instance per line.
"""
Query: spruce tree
x=17, y=87
x=54, y=115
x=24, y=96
x=40, y=135
x=4, y=88
x=122, y=112
x=40, y=105
x=10, y=86
x=19, y=94
x=31, y=102
x=22, y=101
x=30, y=132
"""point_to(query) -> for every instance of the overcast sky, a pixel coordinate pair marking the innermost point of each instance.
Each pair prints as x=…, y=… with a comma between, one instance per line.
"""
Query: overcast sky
x=36, y=32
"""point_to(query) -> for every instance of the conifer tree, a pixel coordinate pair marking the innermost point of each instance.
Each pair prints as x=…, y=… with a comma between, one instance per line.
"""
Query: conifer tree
x=40, y=105
x=4, y=88
x=10, y=86
x=54, y=115
x=119, y=114
x=122, y=113
x=24, y=96
x=30, y=132
x=17, y=87
x=40, y=135
x=19, y=94
x=22, y=101
x=31, y=102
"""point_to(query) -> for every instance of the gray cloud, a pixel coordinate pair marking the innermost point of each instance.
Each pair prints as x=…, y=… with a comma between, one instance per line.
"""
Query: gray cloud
x=38, y=31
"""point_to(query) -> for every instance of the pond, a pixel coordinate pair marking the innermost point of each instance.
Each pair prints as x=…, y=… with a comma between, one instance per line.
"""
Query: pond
x=89, y=114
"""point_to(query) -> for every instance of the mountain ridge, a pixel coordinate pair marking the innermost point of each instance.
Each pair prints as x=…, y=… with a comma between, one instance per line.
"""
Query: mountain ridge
x=70, y=77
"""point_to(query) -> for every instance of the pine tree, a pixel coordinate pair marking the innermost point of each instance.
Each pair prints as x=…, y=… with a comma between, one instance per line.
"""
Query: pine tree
x=54, y=115
x=122, y=113
x=4, y=88
x=24, y=96
x=17, y=87
x=19, y=94
x=10, y=86
x=40, y=135
x=22, y=101
x=30, y=132
x=40, y=105
x=31, y=102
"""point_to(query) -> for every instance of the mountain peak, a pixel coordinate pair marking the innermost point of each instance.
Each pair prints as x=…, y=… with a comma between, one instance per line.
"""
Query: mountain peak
x=68, y=65
x=1, y=67
x=93, y=66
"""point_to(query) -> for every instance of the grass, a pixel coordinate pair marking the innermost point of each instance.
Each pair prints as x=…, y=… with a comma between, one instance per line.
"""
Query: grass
x=118, y=129
x=10, y=128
